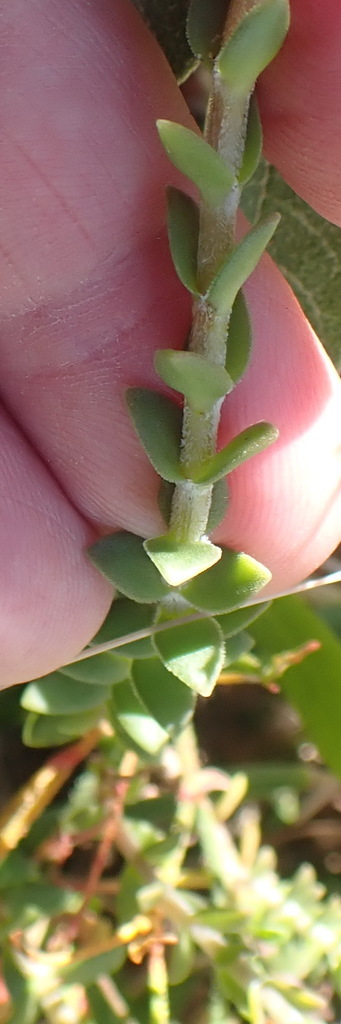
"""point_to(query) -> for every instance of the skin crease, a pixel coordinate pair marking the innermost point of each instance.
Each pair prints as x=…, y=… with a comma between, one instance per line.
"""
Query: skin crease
x=88, y=293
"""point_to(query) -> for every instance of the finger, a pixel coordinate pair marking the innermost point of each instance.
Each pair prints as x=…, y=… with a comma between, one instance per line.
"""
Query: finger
x=67, y=363
x=51, y=598
x=299, y=96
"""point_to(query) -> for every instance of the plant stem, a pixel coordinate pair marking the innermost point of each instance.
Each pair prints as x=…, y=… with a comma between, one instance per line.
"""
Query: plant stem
x=225, y=130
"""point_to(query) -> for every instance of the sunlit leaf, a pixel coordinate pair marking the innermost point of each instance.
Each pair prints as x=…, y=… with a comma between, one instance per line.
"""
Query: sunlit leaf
x=183, y=235
x=247, y=444
x=205, y=25
x=167, y=699
x=194, y=157
x=105, y=669
x=158, y=422
x=313, y=686
x=203, y=383
x=239, y=339
x=132, y=715
x=240, y=264
x=253, y=143
x=307, y=248
x=179, y=562
x=125, y=617
x=51, y=696
x=122, y=559
x=194, y=652
x=253, y=44
x=234, y=579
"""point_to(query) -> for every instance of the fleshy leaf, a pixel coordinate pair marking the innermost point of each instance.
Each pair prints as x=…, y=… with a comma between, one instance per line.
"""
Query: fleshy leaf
x=167, y=699
x=234, y=579
x=122, y=559
x=56, y=730
x=205, y=25
x=232, y=622
x=104, y=669
x=247, y=444
x=219, y=505
x=194, y=157
x=237, y=646
x=180, y=562
x=51, y=696
x=194, y=652
x=239, y=339
x=131, y=714
x=240, y=264
x=253, y=143
x=183, y=235
x=253, y=44
x=158, y=422
x=125, y=617
x=203, y=383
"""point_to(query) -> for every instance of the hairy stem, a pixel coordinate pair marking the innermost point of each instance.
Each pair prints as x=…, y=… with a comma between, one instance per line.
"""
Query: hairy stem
x=225, y=130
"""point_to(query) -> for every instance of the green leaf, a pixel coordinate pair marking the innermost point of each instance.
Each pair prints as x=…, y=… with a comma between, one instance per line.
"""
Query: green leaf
x=125, y=617
x=194, y=157
x=313, y=685
x=232, y=622
x=104, y=669
x=205, y=24
x=132, y=716
x=239, y=339
x=85, y=969
x=122, y=559
x=194, y=652
x=236, y=578
x=58, y=696
x=247, y=444
x=253, y=143
x=25, y=1003
x=178, y=562
x=307, y=248
x=219, y=505
x=182, y=959
x=183, y=236
x=253, y=44
x=240, y=264
x=236, y=647
x=158, y=423
x=56, y=730
x=167, y=699
x=101, y=1012
x=203, y=383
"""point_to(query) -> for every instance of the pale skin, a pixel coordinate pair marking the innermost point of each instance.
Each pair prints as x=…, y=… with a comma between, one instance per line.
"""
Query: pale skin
x=88, y=292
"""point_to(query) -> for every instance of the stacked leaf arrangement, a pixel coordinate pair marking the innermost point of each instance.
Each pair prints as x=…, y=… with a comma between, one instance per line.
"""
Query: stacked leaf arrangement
x=197, y=595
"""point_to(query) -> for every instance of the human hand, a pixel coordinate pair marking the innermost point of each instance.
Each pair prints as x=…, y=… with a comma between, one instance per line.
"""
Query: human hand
x=89, y=292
